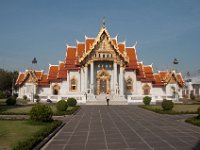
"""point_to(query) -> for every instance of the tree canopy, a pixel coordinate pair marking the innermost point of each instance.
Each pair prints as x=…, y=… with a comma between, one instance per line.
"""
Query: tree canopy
x=7, y=80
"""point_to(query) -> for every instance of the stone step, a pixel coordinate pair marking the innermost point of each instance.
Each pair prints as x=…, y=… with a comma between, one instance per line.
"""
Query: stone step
x=111, y=102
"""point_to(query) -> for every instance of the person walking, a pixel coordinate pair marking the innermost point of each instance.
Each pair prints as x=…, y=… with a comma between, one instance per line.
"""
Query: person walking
x=107, y=99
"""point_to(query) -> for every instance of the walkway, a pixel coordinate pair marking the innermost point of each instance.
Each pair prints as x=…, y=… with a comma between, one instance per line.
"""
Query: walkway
x=124, y=128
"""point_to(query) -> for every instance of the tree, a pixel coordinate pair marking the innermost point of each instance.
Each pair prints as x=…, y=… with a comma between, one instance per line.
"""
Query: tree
x=7, y=80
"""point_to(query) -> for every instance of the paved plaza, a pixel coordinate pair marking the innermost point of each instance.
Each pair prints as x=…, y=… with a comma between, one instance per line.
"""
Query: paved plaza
x=124, y=128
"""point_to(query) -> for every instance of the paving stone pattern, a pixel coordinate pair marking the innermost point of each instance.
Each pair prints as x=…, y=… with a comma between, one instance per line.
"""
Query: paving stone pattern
x=124, y=128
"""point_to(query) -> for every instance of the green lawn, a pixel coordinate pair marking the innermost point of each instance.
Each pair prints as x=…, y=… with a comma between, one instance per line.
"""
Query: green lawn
x=178, y=109
x=24, y=109
x=13, y=131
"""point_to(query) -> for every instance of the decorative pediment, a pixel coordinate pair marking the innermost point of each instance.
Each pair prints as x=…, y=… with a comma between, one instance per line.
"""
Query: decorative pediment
x=30, y=77
x=103, y=73
x=103, y=48
x=171, y=78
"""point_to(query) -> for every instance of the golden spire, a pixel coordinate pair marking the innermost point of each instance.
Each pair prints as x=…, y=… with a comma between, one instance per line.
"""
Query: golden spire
x=104, y=22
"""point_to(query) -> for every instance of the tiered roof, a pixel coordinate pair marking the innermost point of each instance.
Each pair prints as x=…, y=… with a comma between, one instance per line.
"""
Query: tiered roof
x=37, y=77
x=75, y=54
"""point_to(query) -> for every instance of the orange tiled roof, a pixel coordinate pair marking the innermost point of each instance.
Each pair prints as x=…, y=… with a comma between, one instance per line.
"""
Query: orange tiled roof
x=121, y=47
x=62, y=72
x=148, y=70
x=131, y=52
x=89, y=42
x=157, y=81
x=20, y=79
x=180, y=79
x=53, y=71
x=114, y=42
x=81, y=49
x=71, y=59
x=44, y=80
x=140, y=72
x=38, y=74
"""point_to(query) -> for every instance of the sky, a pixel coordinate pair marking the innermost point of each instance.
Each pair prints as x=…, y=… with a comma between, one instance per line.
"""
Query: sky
x=163, y=29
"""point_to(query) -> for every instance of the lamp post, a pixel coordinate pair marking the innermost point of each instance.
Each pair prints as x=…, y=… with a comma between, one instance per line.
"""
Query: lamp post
x=34, y=61
x=176, y=62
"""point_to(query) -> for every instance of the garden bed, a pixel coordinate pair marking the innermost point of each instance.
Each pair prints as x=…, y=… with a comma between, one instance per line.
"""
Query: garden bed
x=178, y=109
x=193, y=120
x=24, y=110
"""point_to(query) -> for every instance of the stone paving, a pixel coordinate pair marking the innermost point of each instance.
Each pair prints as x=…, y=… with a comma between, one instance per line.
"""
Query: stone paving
x=124, y=128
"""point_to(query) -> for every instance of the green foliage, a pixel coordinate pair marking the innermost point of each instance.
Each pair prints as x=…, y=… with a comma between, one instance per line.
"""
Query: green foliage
x=167, y=105
x=31, y=142
x=2, y=95
x=198, y=112
x=71, y=102
x=11, y=100
x=61, y=105
x=7, y=80
x=25, y=97
x=68, y=112
x=37, y=98
x=193, y=120
x=192, y=96
x=147, y=100
x=41, y=113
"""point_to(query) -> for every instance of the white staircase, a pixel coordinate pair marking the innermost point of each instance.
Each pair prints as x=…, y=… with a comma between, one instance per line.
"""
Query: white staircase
x=101, y=100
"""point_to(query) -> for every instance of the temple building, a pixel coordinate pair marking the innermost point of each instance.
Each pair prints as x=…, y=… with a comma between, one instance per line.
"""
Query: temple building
x=100, y=67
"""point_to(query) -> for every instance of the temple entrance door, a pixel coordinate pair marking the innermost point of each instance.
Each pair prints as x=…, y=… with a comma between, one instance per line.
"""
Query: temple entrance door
x=103, y=82
x=103, y=86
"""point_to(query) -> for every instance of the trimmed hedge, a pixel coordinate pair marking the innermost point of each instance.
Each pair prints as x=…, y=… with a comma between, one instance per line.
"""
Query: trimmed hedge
x=11, y=100
x=34, y=140
x=167, y=105
x=61, y=105
x=68, y=112
x=147, y=100
x=71, y=102
x=198, y=112
x=41, y=112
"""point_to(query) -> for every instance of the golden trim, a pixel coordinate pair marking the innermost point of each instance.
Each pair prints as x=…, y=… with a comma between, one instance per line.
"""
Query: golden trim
x=103, y=75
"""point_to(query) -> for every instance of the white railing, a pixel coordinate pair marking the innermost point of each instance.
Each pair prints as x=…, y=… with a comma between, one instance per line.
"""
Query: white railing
x=81, y=99
x=139, y=98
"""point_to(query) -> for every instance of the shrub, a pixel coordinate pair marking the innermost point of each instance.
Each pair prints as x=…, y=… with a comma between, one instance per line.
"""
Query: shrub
x=2, y=95
x=37, y=98
x=41, y=113
x=198, y=112
x=25, y=97
x=11, y=100
x=71, y=102
x=147, y=100
x=192, y=96
x=167, y=105
x=61, y=105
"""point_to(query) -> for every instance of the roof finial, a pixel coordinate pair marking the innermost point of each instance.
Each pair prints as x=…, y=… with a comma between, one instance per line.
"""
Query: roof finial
x=104, y=21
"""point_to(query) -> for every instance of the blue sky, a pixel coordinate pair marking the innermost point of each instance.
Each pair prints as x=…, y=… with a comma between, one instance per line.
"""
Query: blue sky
x=164, y=30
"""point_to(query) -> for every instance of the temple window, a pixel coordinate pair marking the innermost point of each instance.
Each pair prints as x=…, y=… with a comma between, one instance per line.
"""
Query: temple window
x=146, y=89
x=129, y=84
x=73, y=85
x=56, y=89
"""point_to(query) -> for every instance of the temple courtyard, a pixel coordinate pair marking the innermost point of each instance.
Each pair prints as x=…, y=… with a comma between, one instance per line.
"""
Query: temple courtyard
x=125, y=128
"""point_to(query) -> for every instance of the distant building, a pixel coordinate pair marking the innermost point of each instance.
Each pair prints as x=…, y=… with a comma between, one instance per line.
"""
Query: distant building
x=192, y=86
x=97, y=67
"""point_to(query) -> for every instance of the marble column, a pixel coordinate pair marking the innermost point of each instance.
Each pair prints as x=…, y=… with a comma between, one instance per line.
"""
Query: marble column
x=92, y=77
x=86, y=78
x=121, y=81
x=115, y=77
x=68, y=82
x=82, y=80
